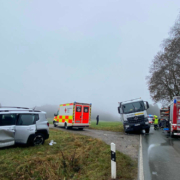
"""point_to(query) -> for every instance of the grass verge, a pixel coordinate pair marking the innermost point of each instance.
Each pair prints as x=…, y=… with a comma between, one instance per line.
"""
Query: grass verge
x=73, y=157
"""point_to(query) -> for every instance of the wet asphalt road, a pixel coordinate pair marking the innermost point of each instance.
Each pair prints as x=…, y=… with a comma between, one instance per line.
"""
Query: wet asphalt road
x=161, y=156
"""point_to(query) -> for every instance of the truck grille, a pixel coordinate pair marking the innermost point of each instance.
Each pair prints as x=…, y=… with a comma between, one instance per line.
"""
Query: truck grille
x=139, y=120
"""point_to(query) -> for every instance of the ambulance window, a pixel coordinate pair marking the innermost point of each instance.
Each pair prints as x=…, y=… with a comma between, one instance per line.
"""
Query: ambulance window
x=78, y=108
x=86, y=109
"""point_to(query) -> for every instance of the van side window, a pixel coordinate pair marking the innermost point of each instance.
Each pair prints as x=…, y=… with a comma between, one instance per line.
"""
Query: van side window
x=86, y=109
x=8, y=119
x=27, y=119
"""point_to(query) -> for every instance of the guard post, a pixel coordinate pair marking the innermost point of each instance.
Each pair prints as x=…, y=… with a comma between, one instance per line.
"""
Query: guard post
x=113, y=161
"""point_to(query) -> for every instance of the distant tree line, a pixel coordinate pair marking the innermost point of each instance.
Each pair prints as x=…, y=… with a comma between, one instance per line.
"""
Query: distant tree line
x=103, y=115
x=164, y=78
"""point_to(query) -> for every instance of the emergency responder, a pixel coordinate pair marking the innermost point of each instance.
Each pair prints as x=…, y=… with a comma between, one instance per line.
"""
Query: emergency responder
x=97, y=119
x=155, y=122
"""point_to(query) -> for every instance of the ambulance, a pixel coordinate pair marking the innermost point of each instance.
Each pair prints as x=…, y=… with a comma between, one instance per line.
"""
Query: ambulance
x=174, y=117
x=73, y=115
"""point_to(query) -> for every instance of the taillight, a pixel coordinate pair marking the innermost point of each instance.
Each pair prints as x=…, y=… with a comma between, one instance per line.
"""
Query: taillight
x=47, y=124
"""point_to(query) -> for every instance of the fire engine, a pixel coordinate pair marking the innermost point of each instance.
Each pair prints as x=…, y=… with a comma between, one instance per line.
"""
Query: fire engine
x=73, y=115
x=174, y=117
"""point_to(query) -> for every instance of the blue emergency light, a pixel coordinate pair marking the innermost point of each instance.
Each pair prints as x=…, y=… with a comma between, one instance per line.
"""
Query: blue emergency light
x=175, y=101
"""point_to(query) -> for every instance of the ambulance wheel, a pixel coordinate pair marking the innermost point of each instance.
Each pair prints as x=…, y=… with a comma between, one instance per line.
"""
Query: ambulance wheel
x=65, y=126
x=80, y=128
x=54, y=124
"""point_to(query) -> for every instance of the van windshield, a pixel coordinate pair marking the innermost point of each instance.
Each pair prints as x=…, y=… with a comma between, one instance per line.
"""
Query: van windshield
x=133, y=107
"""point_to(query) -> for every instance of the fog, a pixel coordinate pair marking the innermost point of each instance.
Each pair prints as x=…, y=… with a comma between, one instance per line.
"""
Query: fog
x=103, y=115
x=89, y=51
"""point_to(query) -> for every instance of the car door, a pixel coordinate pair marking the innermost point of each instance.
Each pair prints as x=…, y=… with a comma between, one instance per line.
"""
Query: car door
x=7, y=129
x=25, y=126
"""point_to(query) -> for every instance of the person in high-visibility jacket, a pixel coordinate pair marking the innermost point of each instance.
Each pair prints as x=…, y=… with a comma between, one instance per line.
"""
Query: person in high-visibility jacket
x=156, y=122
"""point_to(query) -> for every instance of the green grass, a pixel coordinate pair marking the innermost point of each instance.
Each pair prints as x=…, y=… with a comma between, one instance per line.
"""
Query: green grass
x=103, y=125
x=50, y=120
x=107, y=125
x=73, y=157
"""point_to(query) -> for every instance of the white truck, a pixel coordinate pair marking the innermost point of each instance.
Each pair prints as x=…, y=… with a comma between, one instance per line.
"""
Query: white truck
x=134, y=115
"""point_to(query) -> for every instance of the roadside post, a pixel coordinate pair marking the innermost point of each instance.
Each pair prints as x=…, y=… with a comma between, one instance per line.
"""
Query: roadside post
x=113, y=161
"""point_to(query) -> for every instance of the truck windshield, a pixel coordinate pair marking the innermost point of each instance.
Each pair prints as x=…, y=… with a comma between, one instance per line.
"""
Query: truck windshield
x=133, y=107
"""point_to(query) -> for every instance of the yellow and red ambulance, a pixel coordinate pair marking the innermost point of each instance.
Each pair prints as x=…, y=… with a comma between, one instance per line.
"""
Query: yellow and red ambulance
x=73, y=115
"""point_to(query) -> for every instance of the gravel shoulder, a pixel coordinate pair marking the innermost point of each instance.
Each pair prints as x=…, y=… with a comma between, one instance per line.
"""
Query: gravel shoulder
x=125, y=143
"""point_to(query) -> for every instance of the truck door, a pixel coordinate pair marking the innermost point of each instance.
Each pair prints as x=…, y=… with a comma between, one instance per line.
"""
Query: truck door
x=85, y=114
x=7, y=129
x=26, y=125
x=78, y=114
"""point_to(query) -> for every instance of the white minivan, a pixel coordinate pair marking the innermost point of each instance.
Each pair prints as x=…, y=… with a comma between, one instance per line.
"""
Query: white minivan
x=22, y=125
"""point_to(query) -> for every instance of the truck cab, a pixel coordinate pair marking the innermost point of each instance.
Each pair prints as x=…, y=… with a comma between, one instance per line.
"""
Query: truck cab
x=134, y=115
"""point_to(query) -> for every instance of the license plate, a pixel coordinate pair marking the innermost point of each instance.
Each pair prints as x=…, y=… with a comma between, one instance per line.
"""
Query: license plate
x=137, y=125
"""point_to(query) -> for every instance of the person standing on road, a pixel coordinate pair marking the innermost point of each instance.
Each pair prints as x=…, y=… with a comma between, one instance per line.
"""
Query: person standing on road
x=97, y=119
x=155, y=122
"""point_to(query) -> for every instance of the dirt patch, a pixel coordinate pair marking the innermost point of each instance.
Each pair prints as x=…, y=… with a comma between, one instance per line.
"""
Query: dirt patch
x=127, y=144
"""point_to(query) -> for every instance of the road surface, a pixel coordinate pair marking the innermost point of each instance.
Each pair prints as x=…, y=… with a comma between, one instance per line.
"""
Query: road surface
x=161, y=156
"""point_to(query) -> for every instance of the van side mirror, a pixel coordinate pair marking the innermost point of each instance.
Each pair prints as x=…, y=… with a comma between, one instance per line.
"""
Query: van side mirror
x=55, y=114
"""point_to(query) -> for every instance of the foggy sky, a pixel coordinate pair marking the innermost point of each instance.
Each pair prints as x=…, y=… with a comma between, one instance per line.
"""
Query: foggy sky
x=99, y=52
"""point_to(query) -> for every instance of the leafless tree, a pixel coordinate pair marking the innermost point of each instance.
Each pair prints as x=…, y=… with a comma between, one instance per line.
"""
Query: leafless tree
x=164, y=77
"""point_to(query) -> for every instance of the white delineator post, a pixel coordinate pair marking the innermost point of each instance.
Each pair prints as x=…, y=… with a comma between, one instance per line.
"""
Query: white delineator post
x=113, y=161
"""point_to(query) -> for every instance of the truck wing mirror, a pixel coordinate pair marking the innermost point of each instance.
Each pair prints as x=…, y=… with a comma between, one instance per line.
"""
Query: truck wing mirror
x=119, y=110
x=147, y=104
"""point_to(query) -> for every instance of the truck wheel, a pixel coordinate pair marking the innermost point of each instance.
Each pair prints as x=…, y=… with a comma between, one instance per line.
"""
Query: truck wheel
x=80, y=128
x=38, y=139
x=147, y=130
x=171, y=133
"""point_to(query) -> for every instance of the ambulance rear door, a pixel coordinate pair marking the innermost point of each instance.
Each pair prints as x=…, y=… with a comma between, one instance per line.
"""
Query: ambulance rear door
x=85, y=116
x=82, y=114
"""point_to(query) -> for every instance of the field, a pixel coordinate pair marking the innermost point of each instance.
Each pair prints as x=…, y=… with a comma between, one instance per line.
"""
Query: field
x=73, y=157
x=103, y=125
x=107, y=125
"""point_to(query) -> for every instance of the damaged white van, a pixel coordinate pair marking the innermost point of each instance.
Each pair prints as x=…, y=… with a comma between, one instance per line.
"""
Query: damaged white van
x=22, y=125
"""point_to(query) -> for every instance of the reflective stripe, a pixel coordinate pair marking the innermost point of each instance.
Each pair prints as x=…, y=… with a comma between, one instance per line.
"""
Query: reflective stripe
x=69, y=104
x=67, y=119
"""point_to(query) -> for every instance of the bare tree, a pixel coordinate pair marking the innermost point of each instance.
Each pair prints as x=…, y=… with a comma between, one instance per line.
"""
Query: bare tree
x=163, y=81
